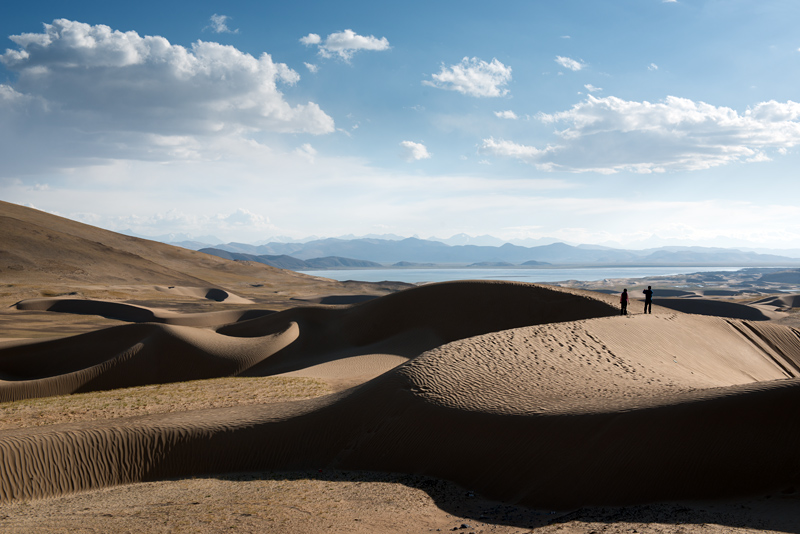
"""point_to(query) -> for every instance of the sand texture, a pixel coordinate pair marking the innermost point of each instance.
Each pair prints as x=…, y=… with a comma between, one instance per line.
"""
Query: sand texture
x=524, y=393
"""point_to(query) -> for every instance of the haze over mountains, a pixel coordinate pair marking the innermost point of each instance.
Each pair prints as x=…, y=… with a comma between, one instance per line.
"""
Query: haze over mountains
x=349, y=251
x=651, y=244
x=340, y=253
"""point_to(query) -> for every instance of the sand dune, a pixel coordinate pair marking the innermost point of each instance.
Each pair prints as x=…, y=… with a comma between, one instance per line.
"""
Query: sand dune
x=137, y=314
x=783, y=301
x=130, y=355
x=523, y=393
x=402, y=324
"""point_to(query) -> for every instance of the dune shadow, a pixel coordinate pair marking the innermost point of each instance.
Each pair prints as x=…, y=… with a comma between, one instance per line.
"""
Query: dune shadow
x=110, y=310
x=776, y=512
x=132, y=313
x=218, y=295
x=716, y=308
x=338, y=300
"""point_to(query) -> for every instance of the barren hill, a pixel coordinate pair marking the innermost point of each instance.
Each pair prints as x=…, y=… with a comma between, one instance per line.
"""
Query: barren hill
x=46, y=255
x=40, y=246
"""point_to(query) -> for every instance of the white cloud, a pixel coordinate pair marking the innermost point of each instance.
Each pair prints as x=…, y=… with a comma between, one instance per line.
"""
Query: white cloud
x=243, y=217
x=414, y=151
x=592, y=89
x=311, y=67
x=310, y=39
x=176, y=221
x=609, y=135
x=306, y=151
x=344, y=195
x=473, y=77
x=502, y=147
x=345, y=44
x=219, y=24
x=652, y=66
x=90, y=91
x=569, y=63
x=507, y=114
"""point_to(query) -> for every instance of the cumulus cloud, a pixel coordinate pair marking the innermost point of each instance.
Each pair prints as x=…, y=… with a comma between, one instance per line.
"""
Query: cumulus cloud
x=473, y=77
x=414, y=151
x=219, y=24
x=592, y=89
x=569, y=63
x=652, y=66
x=508, y=148
x=345, y=44
x=311, y=67
x=108, y=93
x=609, y=135
x=310, y=39
x=507, y=114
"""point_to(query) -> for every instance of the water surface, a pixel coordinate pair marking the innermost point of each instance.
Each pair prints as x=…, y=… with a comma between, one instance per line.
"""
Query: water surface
x=587, y=274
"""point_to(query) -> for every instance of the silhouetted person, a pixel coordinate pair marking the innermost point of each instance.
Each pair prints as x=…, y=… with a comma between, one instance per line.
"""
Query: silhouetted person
x=648, y=300
x=623, y=302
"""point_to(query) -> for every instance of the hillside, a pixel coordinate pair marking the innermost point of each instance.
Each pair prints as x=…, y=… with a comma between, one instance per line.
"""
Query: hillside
x=284, y=261
x=46, y=255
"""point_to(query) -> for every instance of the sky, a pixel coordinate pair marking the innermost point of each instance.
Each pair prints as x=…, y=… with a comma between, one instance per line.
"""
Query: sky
x=629, y=123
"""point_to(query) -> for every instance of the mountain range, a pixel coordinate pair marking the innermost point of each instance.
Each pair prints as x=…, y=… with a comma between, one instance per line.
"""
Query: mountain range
x=342, y=253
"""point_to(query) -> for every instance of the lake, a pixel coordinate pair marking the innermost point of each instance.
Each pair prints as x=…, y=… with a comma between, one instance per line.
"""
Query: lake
x=415, y=276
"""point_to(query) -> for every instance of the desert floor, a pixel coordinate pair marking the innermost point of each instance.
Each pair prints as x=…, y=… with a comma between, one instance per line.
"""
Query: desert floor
x=312, y=500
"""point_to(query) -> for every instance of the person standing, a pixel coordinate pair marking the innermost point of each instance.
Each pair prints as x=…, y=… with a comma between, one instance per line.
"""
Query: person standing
x=648, y=300
x=623, y=302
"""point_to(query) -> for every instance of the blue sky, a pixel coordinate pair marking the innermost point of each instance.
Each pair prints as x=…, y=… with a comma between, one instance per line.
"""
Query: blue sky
x=629, y=123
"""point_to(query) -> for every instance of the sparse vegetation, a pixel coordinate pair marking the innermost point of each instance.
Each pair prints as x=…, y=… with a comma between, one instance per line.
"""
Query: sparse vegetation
x=160, y=398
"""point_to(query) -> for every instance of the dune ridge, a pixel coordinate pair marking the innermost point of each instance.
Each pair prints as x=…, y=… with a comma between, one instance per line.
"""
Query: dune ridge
x=130, y=355
x=524, y=393
x=401, y=324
